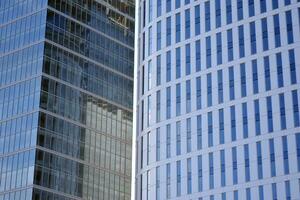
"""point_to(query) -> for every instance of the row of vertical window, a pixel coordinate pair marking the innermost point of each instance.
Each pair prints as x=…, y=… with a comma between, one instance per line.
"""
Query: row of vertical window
x=198, y=171
x=218, y=129
x=246, y=35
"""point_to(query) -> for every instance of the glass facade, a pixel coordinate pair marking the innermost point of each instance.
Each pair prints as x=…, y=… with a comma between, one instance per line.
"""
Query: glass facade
x=66, y=95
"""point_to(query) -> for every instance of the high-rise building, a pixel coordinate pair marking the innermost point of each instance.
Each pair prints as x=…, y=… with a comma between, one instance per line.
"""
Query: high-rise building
x=218, y=100
x=66, y=93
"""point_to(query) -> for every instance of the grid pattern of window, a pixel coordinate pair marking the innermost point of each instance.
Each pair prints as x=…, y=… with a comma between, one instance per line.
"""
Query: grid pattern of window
x=229, y=95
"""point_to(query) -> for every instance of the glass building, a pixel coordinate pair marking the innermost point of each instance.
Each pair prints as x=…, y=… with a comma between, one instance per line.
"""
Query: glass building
x=218, y=100
x=66, y=96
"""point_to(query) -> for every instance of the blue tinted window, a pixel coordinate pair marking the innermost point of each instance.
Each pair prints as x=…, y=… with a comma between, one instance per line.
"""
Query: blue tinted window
x=199, y=132
x=218, y=13
x=220, y=86
x=158, y=11
x=231, y=83
x=211, y=170
x=245, y=120
x=198, y=56
x=198, y=92
x=282, y=111
x=168, y=40
x=295, y=108
x=208, y=52
x=197, y=20
x=240, y=14
x=188, y=135
x=187, y=24
x=178, y=178
x=287, y=190
x=289, y=27
x=254, y=76
x=263, y=6
x=168, y=112
x=247, y=162
x=187, y=59
x=186, y=2
x=257, y=117
x=234, y=166
x=189, y=176
x=230, y=45
x=259, y=160
x=293, y=73
x=261, y=192
x=209, y=90
x=221, y=126
x=210, y=128
x=222, y=167
x=267, y=73
x=223, y=196
x=248, y=194
x=287, y=2
x=168, y=180
x=235, y=195
x=298, y=150
x=285, y=153
x=177, y=4
x=253, y=38
x=264, y=28
x=279, y=70
x=200, y=177
x=178, y=138
x=243, y=80
x=157, y=144
x=168, y=68
x=272, y=158
x=251, y=8
x=219, y=48
x=207, y=16
x=168, y=5
x=157, y=185
x=241, y=41
x=277, y=30
x=168, y=141
x=158, y=70
x=158, y=35
x=178, y=25
x=233, y=123
x=178, y=62
x=274, y=191
x=270, y=114
x=188, y=96
x=228, y=12
x=178, y=99
x=274, y=4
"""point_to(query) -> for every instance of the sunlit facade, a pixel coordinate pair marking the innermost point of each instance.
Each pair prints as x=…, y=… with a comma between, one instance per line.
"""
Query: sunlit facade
x=66, y=95
x=218, y=100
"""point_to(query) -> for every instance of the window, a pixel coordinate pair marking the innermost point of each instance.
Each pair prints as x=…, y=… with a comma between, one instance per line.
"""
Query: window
x=168, y=141
x=198, y=56
x=168, y=181
x=251, y=8
x=233, y=123
x=186, y=2
x=248, y=194
x=279, y=70
x=257, y=117
x=158, y=11
x=209, y=90
x=211, y=170
x=293, y=73
x=149, y=110
x=274, y=4
x=263, y=6
x=254, y=76
x=219, y=48
x=298, y=150
x=274, y=191
x=149, y=75
x=142, y=152
x=168, y=111
x=177, y=4
x=150, y=11
x=198, y=92
x=285, y=153
x=207, y=16
x=158, y=183
x=187, y=24
x=282, y=111
x=158, y=70
x=168, y=39
x=188, y=96
x=144, y=13
x=272, y=158
x=158, y=106
x=168, y=63
x=189, y=176
x=178, y=62
x=178, y=99
x=223, y=196
x=264, y=28
x=144, y=49
x=178, y=27
x=287, y=190
x=208, y=52
x=235, y=195
x=199, y=132
x=223, y=168
x=230, y=44
x=210, y=129
x=241, y=41
x=247, y=162
x=267, y=73
x=220, y=86
x=197, y=20
x=228, y=12
x=234, y=166
x=295, y=108
x=245, y=120
x=289, y=27
x=158, y=144
x=270, y=114
x=277, y=31
x=287, y=2
x=178, y=138
x=148, y=147
x=231, y=83
x=149, y=40
x=178, y=178
x=187, y=59
x=158, y=35
x=259, y=161
x=221, y=126
x=243, y=80
x=218, y=13
x=200, y=178
x=261, y=192
x=240, y=14
x=168, y=5
x=253, y=38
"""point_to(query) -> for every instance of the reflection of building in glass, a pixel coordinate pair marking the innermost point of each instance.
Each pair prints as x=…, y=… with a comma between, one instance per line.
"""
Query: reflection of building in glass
x=66, y=87
x=218, y=100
